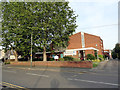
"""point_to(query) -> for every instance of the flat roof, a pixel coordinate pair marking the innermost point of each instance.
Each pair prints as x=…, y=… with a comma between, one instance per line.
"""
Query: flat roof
x=89, y=48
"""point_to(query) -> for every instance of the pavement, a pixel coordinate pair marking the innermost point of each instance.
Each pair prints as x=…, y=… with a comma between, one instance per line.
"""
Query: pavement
x=63, y=69
x=104, y=76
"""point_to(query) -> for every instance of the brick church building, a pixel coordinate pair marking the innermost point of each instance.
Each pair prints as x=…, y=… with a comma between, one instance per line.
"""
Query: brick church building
x=81, y=44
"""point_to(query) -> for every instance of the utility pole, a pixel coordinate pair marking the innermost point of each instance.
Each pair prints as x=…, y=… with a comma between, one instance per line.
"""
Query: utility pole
x=31, y=50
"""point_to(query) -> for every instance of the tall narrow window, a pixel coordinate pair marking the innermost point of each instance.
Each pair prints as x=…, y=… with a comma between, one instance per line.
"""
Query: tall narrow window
x=83, y=40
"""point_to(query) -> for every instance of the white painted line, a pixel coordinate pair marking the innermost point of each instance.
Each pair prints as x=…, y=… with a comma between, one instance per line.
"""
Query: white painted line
x=9, y=71
x=93, y=81
x=37, y=75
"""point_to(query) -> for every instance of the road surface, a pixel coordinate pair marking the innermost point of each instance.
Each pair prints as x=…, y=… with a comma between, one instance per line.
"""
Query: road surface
x=105, y=77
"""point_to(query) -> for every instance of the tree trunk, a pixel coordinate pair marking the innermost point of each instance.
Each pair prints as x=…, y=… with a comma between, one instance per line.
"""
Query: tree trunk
x=16, y=56
x=44, y=54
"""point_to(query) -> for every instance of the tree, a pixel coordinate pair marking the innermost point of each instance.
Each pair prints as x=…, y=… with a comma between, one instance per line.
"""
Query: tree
x=56, y=22
x=117, y=48
x=114, y=55
x=16, y=18
x=48, y=23
x=116, y=51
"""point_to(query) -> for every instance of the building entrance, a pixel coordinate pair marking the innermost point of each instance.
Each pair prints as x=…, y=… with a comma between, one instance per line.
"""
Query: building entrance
x=81, y=55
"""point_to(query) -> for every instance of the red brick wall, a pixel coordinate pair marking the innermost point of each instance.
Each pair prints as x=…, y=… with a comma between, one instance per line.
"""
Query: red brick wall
x=91, y=41
x=75, y=41
x=81, y=64
x=89, y=52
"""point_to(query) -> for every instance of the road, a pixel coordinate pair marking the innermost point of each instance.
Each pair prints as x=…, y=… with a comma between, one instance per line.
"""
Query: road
x=106, y=77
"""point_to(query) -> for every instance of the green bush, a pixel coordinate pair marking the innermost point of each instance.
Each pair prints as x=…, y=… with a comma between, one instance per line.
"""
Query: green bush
x=61, y=59
x=51, y=59
x=77, y=59
x=90, y=57
x=22, y=59
x=68, y=58
x=87, y=60
x=95, y=55
x=38, y=59
x=7, y=62
x=100, y=57
x=95, y=64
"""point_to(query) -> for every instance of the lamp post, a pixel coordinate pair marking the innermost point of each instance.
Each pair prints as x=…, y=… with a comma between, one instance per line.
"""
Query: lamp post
x=97, y=51
x=31, y=50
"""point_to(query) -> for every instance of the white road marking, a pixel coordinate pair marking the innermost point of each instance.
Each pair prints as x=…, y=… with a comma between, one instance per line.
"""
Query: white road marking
x=9, y=71
x=37, y=74
x=93, y=81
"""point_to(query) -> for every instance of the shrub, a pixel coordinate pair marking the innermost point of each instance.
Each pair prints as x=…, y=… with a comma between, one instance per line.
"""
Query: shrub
x=22, y=59
x=77, y=59
x=7, y=62
x=37, y=59
x=90, y=57
x=87, y=60
x=100, y=57
x=95, y=55
x=68, y=58
x=95, y=64
x=61, y=59
x=96, y=60
x=50, y=59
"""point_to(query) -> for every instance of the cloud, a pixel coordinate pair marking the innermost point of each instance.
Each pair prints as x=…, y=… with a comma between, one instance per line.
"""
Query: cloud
x=92, y=14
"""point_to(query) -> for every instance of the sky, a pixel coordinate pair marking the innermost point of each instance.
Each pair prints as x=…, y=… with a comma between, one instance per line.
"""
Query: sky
x=97, y=18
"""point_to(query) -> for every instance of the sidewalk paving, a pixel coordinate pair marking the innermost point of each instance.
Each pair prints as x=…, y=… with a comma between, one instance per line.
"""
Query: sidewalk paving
x=63, y=69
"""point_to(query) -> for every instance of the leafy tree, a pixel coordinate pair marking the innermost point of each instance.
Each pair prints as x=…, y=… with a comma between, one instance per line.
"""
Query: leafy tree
x=119, y=55
x=16, y=18
x=116, y=51
x=47, y=22
x=114, y=55
x=55, y=23
x=117, y=48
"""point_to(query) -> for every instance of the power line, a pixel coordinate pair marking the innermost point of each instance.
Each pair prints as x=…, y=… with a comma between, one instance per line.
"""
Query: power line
x=99, y=26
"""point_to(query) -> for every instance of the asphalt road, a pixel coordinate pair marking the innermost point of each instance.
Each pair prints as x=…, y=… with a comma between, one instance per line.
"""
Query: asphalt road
x=105, y=77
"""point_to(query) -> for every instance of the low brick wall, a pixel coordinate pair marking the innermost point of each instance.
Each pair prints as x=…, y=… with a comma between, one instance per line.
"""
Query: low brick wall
x=81, y=64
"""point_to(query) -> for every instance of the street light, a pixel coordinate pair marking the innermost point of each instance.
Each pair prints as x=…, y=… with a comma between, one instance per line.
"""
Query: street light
x=31, y=50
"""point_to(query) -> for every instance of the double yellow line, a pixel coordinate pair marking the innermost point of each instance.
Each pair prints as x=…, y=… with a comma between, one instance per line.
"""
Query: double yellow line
x=9, y=85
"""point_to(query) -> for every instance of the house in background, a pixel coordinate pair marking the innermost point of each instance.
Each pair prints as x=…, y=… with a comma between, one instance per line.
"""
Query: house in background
x=81, y=44
x=7, y=55
x=108, y=53
x=2, y=54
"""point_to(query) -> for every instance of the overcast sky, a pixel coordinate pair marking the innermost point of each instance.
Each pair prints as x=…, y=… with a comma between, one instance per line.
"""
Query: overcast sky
x=98, y=18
